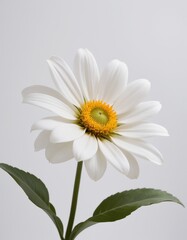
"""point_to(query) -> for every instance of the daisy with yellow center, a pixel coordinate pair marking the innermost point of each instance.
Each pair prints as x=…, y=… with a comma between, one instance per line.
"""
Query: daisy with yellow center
x=99, y=118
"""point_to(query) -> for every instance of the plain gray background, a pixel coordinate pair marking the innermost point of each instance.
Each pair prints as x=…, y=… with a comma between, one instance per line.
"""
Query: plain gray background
x=151, y=37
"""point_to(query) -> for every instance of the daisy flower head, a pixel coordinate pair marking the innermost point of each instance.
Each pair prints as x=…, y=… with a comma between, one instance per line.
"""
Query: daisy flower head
x=99, y=118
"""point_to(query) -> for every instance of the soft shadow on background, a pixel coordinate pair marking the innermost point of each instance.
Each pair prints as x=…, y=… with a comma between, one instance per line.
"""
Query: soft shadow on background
x=151, y=37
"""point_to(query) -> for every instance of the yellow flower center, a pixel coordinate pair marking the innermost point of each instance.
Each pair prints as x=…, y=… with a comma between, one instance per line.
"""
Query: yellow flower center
x=98, y=118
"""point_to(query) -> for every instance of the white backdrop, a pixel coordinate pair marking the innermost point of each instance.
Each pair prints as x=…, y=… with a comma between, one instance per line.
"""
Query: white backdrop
x=151, y=37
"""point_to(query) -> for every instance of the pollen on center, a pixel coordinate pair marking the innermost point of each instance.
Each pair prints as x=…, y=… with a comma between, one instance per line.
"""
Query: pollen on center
x=98, y=118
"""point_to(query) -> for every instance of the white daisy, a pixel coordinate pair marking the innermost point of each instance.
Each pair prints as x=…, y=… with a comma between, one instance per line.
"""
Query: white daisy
x=99, y=119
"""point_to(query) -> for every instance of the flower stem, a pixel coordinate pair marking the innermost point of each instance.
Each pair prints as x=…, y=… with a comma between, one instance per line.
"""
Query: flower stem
x=74, y=200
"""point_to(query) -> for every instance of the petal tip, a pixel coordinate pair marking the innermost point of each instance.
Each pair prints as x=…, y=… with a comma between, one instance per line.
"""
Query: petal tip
x=80, y=51
x=145, y=83
x=166, y=133
x=48, y=61
x=33, y=127
x=157, y=105
x=52, y=60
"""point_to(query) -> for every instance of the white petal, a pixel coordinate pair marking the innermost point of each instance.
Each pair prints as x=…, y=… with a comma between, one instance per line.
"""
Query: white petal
x=139, y=148
x=134, y=167
x=48, y=123
x=47, y=91
x=42, y=140
x=113, y=81
x=41, y=89
x=87, y=73
x=50, y=103
x=96, y=166
x=134, y=93
x=65, y=80
x=59, y=152
x=140, y=113
x=142, y=130
x=114, y=155
x=85, y=147
x=66, y=133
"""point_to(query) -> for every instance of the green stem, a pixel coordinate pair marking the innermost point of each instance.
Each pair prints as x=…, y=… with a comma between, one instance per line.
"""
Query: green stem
x=74, y=200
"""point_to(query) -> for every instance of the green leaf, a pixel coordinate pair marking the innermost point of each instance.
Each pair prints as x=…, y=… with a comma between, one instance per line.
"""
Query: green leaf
x=122, y=204
x=36, y=192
